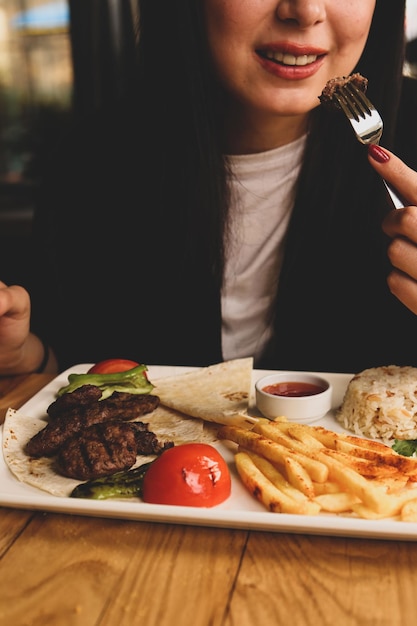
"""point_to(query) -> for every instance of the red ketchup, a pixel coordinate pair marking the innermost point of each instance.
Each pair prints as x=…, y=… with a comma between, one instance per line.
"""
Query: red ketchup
x=294, y=389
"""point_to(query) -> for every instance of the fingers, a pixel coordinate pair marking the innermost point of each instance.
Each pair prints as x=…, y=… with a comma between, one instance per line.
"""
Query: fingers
x=404, y=288
x=14, y=301
x=402, y=223
x=403, y=256
x=401, y=226
x=395, y=171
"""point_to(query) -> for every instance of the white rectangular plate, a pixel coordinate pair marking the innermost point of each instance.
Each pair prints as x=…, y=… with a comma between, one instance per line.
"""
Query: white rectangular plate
x=239, y=511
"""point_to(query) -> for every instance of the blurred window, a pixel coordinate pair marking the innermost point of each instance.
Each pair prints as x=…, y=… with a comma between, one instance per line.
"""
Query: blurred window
x=36, y=83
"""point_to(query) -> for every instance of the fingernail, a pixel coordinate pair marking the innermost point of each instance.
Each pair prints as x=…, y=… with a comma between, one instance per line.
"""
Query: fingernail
x=377, y=153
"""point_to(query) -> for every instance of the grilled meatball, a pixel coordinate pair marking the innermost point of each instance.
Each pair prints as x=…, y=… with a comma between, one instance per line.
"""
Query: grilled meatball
x=103, y=449
x=119, y=406
x=128, y=406
x=84, y=395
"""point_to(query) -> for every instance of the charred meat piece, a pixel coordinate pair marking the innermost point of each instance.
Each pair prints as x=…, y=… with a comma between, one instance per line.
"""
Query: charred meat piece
x=119, y=406
x=334, y=84
x=84, y=395
x=103, y=449
x=124, y=406
x=128, y=406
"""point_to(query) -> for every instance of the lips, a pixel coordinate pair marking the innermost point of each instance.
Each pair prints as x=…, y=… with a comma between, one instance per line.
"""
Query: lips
x=290, y=64
x=290, y=54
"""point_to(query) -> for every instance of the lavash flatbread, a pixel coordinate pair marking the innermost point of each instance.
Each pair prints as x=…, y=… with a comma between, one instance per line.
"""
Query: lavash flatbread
x=218, y=393
x=17, y=430
x=167, y=424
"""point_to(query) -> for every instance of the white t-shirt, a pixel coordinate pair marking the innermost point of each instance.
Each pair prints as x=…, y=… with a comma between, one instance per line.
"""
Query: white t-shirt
x=263, y=190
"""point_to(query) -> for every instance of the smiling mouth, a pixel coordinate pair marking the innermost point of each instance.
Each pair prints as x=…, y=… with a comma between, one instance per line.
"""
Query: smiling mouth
x=282, y=58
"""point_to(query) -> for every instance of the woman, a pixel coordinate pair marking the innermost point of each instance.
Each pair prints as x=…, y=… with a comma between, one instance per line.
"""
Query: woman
x=222, y=212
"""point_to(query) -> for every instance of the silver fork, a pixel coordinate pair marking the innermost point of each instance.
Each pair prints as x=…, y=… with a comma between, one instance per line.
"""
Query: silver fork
x=366, y=122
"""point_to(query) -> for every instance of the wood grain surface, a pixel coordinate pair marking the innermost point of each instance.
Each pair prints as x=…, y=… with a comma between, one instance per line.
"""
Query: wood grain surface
x=64, y=570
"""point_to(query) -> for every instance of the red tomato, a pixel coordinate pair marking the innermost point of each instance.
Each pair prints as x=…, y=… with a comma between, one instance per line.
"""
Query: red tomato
x=190, y=474
x=111, y=366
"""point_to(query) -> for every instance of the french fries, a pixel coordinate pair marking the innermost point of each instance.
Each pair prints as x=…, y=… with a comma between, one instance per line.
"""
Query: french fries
x=305, y=470
x=273, y=450
x=274, y=498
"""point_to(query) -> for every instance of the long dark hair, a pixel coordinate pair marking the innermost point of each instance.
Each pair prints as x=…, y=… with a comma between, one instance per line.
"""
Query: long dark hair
x=177, y=96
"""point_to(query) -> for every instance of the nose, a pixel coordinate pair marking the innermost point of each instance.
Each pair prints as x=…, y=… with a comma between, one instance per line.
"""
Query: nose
x=301, y=12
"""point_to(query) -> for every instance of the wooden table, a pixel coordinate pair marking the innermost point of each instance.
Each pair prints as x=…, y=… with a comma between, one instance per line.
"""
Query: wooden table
x=64, y=570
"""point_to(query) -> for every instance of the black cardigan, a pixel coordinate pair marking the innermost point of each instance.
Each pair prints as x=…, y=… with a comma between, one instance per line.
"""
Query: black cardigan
x=110, y=278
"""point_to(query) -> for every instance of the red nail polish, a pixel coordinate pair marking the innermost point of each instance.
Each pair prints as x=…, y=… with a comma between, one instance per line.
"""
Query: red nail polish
x=377, y=153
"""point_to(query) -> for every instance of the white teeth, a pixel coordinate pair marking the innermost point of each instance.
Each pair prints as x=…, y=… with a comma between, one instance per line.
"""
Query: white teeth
x=305, y=59
x=290, y=59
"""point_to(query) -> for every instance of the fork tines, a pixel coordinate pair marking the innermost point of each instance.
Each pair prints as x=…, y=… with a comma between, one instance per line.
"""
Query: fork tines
x=353, y=101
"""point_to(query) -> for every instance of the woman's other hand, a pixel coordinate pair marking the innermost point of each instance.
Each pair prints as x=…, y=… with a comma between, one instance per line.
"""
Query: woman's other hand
x=20, y=350
x=400, y=225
